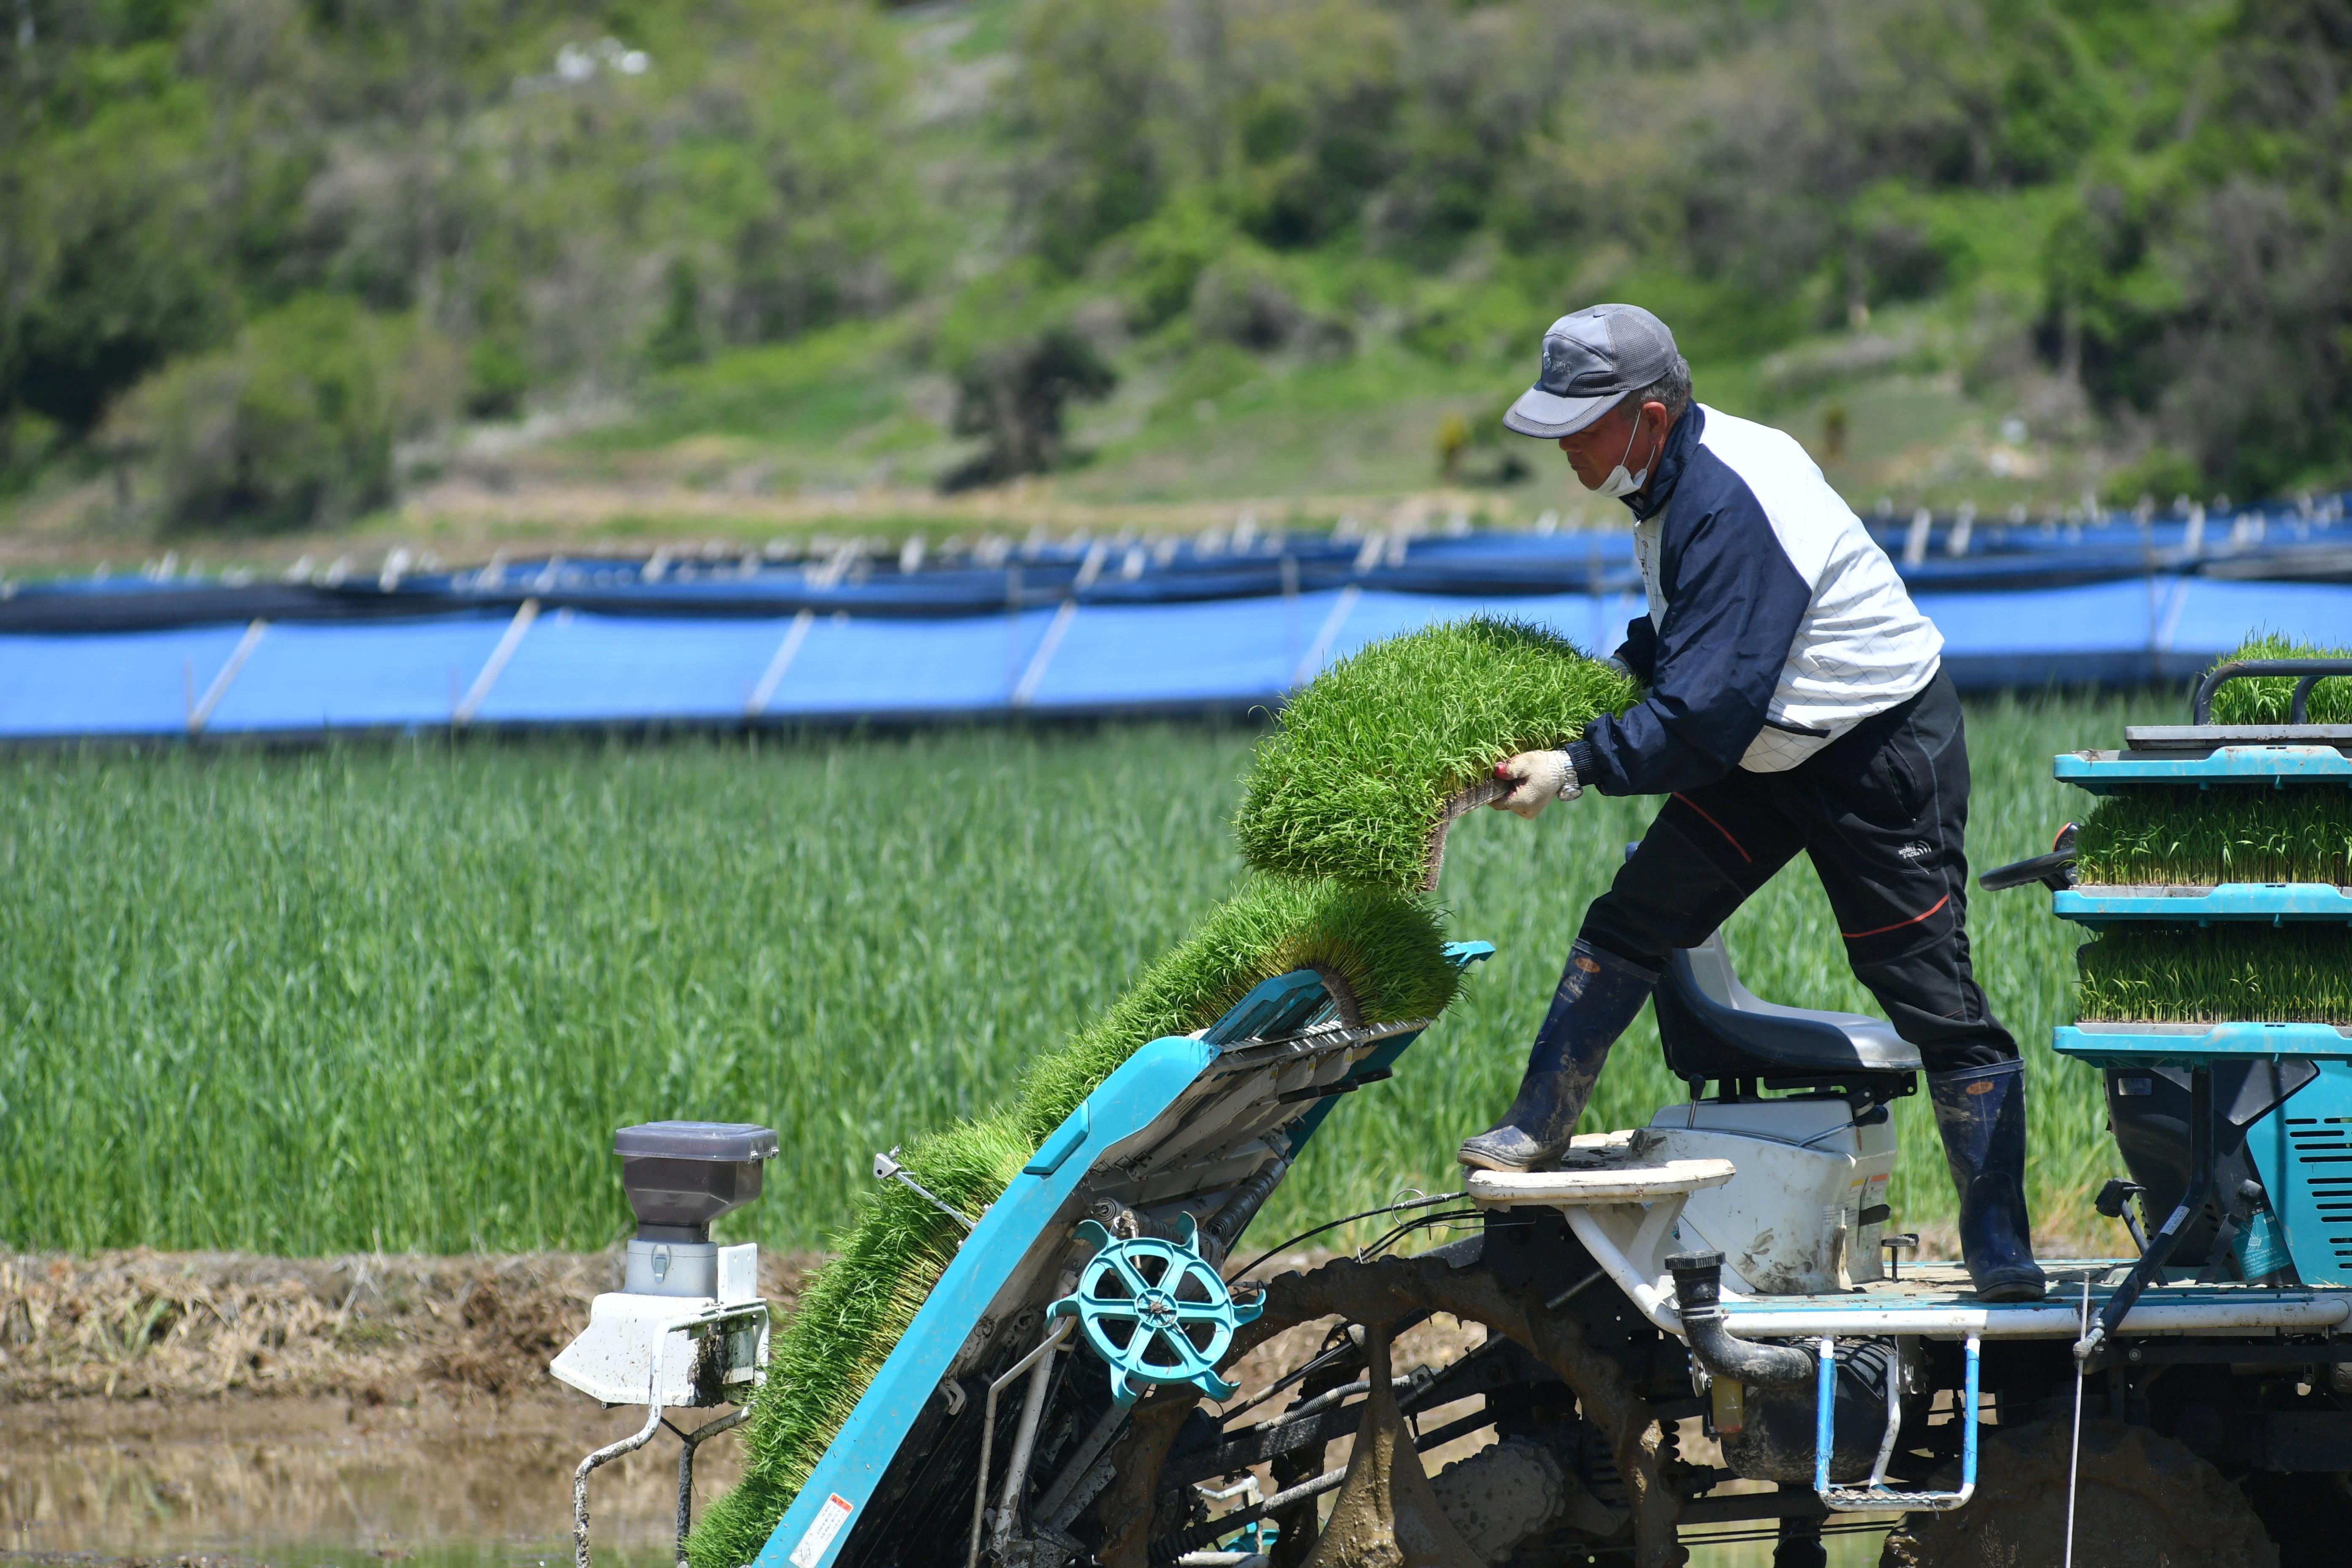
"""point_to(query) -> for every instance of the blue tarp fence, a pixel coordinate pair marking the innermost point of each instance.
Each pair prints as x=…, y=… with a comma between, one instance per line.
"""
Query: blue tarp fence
x=1079, y=628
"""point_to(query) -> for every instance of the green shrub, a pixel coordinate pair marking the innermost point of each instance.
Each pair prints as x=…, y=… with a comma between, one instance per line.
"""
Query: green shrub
x=1158, y=262
x=1354, y=779
x=677, y=337
x=2160, y=474
x=1242, y=303
x=293, y=425
x=1387, y=949
x=497, y=377
x=116, y=250
x=2291, y=975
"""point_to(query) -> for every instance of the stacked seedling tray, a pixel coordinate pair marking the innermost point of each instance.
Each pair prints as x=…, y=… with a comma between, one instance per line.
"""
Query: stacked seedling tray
x=2216, y=872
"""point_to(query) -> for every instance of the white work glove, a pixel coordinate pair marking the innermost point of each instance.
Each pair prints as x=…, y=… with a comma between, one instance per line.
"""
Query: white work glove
x=1541, y=778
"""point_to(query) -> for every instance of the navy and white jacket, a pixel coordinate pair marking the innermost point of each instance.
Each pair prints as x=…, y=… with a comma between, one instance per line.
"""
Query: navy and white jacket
x=1776, y=622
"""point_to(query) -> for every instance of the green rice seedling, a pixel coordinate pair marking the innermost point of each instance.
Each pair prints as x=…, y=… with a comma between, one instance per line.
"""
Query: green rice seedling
x=2203, y=836
x=852, y=1312
x=2289, y=974
x=1382, y=950
x=1354, y=779
x=2268, y=700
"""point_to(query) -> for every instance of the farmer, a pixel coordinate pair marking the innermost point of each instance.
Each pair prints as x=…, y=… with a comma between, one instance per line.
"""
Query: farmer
x=1796, y=701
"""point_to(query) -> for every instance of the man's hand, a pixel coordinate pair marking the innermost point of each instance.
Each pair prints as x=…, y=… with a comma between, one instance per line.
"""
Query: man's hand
x=1541, y=777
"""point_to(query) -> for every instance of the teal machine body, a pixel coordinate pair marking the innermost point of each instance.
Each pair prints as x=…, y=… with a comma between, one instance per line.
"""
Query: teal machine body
x=2301, y=1149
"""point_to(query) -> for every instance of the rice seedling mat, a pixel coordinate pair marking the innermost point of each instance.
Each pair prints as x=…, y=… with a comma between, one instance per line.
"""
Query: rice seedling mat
x=1357, y=778
x=2275, y=903
x=2185, y=974
x=2163, y=836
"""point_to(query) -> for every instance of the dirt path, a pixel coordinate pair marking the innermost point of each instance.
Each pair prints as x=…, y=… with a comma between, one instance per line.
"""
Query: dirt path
x=465, y=520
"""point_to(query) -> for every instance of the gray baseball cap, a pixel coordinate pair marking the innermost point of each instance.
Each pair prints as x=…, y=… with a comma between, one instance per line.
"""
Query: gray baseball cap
x=1591, y=359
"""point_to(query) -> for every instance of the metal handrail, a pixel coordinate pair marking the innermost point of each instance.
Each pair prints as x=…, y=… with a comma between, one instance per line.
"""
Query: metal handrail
x=2313, y=671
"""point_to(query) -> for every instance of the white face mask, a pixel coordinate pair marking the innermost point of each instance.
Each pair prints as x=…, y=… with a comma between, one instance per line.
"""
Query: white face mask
x=1620, y=482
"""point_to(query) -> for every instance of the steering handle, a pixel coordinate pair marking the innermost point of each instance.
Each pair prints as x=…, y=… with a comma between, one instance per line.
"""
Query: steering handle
x=2055, y=870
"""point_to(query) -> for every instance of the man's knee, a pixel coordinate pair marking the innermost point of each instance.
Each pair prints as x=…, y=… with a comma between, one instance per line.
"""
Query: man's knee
x=1936, y=1003
x=1631, y=929
x=1949, y=1049
x=1644, y=929
x=1635, y=945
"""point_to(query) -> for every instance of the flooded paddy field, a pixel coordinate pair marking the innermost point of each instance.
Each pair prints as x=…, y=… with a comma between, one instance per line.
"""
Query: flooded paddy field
x=304, y=1481
x=159, y=1407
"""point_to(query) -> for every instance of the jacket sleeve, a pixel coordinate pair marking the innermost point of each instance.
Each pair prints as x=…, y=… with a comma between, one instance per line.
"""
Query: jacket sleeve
x=1734, y=602
x=1639, y=651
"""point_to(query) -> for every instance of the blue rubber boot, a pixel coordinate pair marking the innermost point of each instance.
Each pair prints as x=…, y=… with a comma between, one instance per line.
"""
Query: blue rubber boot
x=1980, y=1111
x=1599, y=995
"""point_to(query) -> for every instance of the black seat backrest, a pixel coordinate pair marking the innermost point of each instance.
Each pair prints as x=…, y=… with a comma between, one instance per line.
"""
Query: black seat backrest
x=1713, y=1027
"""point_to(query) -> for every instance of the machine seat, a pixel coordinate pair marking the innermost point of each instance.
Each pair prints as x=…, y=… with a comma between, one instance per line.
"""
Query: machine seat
x=1713, y=1027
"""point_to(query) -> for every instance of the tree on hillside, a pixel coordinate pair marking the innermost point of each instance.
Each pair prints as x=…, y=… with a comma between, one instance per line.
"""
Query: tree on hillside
x=1015, y=396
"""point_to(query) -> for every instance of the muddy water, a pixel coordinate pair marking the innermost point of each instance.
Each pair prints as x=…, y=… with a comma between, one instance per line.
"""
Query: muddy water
x=302, y=1483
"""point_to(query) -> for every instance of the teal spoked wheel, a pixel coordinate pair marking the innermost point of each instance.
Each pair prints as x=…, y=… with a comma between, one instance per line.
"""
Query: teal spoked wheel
x=1155, y=1312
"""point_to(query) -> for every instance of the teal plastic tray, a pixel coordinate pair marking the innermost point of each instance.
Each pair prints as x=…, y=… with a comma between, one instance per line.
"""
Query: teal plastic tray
x=2279, y=766
x=2273, y=903
x=2186, y=1045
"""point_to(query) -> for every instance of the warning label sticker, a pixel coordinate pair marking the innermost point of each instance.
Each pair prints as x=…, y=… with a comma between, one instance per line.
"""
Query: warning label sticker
x=820, y=1532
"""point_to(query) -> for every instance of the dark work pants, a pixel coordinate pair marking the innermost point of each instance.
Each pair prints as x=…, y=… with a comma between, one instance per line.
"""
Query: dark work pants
x=1881, y=811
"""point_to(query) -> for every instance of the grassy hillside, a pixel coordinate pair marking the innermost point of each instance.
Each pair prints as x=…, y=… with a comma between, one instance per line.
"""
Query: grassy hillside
x=398, y=997
x=292, y=264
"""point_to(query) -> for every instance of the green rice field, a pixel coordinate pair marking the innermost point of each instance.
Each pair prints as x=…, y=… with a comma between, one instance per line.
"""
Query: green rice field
x=397, y=996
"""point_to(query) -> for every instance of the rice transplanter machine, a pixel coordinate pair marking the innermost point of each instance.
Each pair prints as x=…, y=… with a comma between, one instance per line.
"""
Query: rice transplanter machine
x=1080, y=1387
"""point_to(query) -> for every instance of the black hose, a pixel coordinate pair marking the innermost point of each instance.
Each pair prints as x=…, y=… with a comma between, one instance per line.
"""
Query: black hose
x=1698, y=1288
x=1286, y=1245
x=1390, y=1238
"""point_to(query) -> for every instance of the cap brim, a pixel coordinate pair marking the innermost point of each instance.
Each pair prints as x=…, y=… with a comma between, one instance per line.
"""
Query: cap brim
x=1547, y=417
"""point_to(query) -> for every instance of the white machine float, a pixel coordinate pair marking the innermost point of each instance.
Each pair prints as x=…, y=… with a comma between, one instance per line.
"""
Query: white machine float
x=688, y=1329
